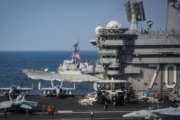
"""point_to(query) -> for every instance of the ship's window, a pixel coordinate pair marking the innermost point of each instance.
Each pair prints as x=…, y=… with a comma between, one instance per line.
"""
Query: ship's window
x=155, y=83
x=138, y=80
x=145, y=83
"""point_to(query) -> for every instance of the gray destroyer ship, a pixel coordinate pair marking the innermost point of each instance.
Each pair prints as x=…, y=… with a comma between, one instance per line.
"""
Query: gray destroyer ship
x=72, y=70
x=149, y=60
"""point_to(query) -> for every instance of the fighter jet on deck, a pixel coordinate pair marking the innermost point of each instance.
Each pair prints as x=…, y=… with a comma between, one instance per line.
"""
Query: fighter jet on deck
x=17, y=99
x=57, y=90
x=19, y=103
x=169, y=112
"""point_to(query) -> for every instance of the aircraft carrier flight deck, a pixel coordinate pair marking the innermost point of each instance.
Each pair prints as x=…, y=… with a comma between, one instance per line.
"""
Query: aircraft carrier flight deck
x=67, y=108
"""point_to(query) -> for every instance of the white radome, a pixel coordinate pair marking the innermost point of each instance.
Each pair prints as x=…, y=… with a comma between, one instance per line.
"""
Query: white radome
x=98, y=28
x=113, y=24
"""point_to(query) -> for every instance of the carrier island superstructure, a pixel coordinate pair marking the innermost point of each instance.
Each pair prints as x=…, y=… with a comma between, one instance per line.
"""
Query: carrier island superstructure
x=149, y=60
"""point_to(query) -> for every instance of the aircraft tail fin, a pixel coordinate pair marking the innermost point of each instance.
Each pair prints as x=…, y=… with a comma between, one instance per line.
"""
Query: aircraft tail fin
x=39, y=86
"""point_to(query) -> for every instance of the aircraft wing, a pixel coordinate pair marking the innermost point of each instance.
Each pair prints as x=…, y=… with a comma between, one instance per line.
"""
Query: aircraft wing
x=146, y=114
x=5, y=105
x=63, y=88
x=25, y=89
x=68, y=88
x=43, y=75
x=20, y=89
x=4, y=89
x=28, y=105
x=170, y=111
x=47, y=89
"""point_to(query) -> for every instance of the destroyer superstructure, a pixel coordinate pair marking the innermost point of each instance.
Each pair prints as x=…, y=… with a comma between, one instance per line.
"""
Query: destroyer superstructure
x=74, y=66
x=149, y=60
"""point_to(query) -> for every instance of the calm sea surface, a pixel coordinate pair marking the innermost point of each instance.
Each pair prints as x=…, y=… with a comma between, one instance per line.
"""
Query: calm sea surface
x=12, y=63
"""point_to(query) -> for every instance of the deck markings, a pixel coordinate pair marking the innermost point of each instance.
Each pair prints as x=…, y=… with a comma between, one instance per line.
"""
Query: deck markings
x=78, y=112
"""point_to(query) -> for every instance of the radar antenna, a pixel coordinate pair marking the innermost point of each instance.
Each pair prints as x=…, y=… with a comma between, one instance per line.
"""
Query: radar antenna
x=149, y=25
x=76, y=47
x=135, y=13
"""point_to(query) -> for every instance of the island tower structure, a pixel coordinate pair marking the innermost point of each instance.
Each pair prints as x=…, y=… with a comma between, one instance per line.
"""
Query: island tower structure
x=149, y=60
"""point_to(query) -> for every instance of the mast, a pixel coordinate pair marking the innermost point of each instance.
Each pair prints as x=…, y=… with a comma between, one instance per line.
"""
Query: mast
x=75, y=51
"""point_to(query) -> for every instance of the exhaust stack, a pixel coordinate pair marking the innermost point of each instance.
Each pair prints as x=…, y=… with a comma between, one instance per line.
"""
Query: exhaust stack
x=172, y=20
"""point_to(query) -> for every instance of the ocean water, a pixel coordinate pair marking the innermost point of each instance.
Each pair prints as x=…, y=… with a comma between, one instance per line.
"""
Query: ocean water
x=12, y=63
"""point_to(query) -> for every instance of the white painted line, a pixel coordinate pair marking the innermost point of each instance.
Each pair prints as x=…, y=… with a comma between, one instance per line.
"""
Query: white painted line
x=64, y=111
x=78, y=112
x=111, y=111
x=66, y=119
x=112, y=118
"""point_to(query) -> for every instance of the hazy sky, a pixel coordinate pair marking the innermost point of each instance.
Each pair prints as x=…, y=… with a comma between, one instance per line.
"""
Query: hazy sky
x=57, y=24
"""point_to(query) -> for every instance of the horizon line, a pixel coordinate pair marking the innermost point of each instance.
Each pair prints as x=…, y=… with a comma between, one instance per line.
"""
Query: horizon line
x=42, y=50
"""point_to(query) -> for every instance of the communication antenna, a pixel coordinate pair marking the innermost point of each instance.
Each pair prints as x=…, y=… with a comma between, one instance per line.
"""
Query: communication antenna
x=149, y=25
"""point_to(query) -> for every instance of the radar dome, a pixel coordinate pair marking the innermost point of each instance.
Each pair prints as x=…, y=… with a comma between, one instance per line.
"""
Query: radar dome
x=98, y=28
x=113, y=24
